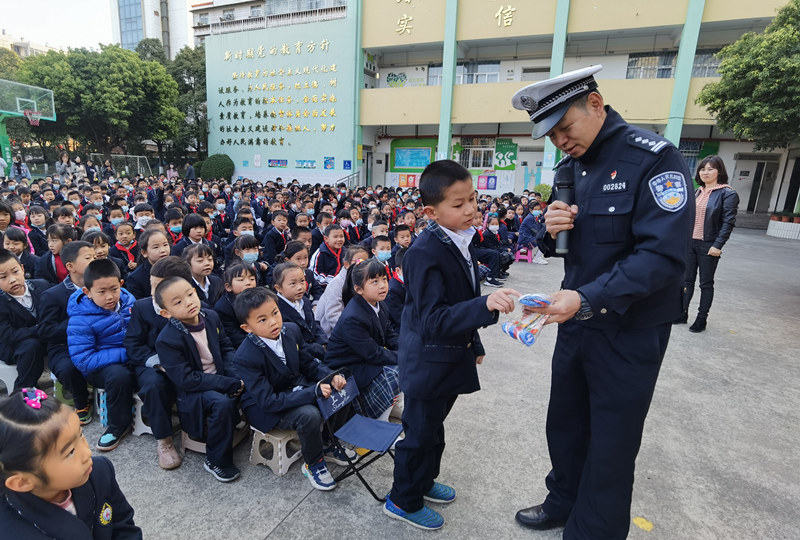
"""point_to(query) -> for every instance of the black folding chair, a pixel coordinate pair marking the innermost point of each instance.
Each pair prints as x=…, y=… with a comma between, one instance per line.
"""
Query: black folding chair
x=374, y=435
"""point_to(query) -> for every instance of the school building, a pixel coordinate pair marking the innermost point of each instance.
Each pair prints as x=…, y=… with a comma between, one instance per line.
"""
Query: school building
x=434, y=79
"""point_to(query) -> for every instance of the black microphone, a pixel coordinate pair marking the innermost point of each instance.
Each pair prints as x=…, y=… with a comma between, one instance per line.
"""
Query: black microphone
x=565, y=186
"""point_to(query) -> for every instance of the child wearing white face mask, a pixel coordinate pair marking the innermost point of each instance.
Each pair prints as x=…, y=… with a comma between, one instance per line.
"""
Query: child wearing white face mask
x=528, y=230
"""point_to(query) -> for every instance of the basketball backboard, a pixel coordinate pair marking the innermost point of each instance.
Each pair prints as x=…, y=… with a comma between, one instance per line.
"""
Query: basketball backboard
x=16, y=97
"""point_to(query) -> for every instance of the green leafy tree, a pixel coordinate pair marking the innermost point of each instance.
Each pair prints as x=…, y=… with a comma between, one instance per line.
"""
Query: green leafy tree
x=152, y=50
x=9, y=63
x=217, y=166
x=189, y=71
x=105, y=98
x=756, y=97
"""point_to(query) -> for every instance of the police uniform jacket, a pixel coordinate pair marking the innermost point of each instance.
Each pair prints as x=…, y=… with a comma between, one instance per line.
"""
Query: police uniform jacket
x=103, y=512
x=362, y=341
x=439, y=339
x=627, y=252
x=16, y=322
x=177, y=351
x=270, y=382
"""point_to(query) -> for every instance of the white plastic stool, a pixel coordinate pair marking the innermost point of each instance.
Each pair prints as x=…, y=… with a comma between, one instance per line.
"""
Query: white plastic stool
x=277, y=440
x=139, y=427
x=239, y=433
x=8, y=374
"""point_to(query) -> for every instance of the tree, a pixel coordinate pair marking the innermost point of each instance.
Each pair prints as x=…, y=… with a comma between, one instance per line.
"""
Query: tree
x=756, y=97
x=218, y=166
x=106, y=98
x=189, y=71
x=9, y=63
x=152, y=50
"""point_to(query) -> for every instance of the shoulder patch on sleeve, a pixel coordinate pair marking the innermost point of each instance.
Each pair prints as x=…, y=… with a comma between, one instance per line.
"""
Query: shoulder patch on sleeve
x=648, y=141
x=561, y=162
x=669, y=190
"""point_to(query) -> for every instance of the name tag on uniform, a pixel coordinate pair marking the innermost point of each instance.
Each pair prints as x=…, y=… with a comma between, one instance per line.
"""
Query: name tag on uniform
x=615, y=187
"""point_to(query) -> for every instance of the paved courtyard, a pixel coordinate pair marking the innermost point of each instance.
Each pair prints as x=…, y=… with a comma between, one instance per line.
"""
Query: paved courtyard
x=719, y=458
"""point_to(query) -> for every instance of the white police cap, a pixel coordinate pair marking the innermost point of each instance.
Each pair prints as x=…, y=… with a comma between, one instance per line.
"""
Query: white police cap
x=548, y=101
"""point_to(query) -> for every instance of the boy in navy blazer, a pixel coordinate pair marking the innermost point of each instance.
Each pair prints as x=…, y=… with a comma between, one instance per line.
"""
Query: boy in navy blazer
x=280, y=377
x=443, y=311
x=20, y=301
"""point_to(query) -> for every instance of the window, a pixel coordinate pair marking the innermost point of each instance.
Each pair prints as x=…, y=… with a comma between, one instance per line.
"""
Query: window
x=705, y=63
x=202, y=18
x=531, y=74
x=256, y=11
x=690, y=150
x=227, y=15
x=477, y=153
x=467, y=73
x=651, y=65
x=130, y=23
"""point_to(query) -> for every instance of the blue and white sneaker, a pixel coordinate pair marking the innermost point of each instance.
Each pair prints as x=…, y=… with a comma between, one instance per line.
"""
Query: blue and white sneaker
x=319, y=476
x=425, y=518
x=440, y=493
x=109, y=440
x=337, y=456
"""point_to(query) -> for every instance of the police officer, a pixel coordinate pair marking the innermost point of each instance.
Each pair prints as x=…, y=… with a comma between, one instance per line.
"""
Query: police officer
x=627, y=244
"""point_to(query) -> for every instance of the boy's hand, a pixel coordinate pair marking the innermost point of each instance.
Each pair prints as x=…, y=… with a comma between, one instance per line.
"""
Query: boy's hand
x=326, y=390
x=338, y=382
x=240, y=390
x=131, y=265
x=501, y=300
x=479, y=360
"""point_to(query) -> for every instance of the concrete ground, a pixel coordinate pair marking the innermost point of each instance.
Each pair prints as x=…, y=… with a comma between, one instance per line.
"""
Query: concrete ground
x=719, y=457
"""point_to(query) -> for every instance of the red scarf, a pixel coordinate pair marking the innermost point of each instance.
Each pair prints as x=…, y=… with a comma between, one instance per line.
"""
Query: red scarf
x=61, y=270
x=127, y=250
x=338, y=255
x=175, y=239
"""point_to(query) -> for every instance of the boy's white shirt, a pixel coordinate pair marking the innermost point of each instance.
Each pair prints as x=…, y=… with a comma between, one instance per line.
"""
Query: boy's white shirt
x=25, y=299
x=462, y=240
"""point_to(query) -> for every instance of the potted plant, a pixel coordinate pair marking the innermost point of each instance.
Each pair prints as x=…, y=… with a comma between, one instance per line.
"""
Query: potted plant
x=786, y=216
x=796, y=218
x=775, y=216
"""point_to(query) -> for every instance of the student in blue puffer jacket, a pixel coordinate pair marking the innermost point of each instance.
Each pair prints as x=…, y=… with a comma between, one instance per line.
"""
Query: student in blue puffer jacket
x=98, y=319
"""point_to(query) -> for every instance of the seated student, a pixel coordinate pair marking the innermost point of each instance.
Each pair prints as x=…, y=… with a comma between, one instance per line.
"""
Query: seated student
x=53, y=322
x=280, y=379
x=50, y=267
x=488, y=257
x=317, y=235
x=39, y=220
x=303, y=234
x=100, y=242
x=65, y=215
x=201, y=260
x=330, y=304
x=237, y=278
x=144, y=214
x=364, y=342
x=16, y=241
x=379, y=228
x=53, y=488
x=153, y=246
x=98, y=319
x=528, y=230
x=402, y=239
x=382, y=251
x=418, y=228
x=242, y=226
x=396, y=297
x=326, y=262
x=247, y=249
x=20, y=303
x=222, y=221
x=125, y=248
x=290, y=284
x=216, y=244
x=173, y=219
x=116, y=215
x=155, y=389
x=275, y=239
x=194, y=231
x=357, y=229
x=343, y=220
x=491, y=239
x=197, y=355
x=304, y=222
x=297, y=253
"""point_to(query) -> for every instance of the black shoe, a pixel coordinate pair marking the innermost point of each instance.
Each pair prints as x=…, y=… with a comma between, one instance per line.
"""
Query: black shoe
x=223, y=474
x=504, y=274
x=683, y=319
x=536, y=518
x=699, y=325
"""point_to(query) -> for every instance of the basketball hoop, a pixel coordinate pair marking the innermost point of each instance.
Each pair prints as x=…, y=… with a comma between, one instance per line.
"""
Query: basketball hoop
x=32, y=116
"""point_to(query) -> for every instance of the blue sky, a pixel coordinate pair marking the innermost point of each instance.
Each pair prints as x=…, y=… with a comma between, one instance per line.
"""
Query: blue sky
x=85, y=23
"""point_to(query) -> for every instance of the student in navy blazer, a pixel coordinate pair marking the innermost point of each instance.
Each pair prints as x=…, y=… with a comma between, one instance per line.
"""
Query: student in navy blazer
x=439, y=342
x=363, y=340
x=290, y=284
x=19, y=331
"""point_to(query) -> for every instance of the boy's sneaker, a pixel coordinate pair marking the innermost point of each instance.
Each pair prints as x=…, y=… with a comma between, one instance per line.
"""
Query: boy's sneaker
x=84, y=415
x=109, y=441
x=223, y=474
x=168, y=456
x=504, y=275
x=335, y=455
x=440, y=493
x=319, y=476
x=492, y=282
x=425, y=518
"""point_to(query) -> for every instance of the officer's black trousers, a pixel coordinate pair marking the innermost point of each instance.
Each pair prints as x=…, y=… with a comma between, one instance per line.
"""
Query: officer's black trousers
x=603, y=381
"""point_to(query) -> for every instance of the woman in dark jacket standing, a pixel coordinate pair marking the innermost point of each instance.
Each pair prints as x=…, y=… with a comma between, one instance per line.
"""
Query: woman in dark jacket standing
x=716, y=207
